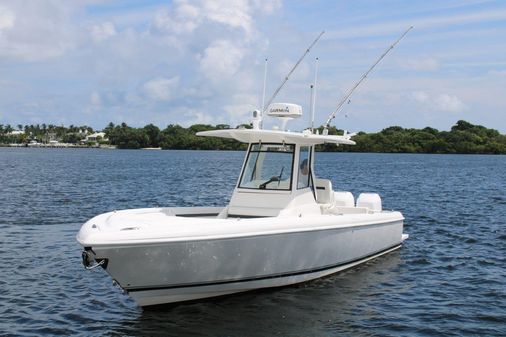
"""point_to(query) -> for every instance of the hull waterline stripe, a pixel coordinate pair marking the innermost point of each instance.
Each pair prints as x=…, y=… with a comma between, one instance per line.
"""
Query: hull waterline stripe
x=260, y=278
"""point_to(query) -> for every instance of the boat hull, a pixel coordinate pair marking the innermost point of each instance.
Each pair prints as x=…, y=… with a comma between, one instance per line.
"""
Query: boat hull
x=178, y=271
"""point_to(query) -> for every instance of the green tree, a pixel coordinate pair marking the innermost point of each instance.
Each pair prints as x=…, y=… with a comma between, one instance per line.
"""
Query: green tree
x=153, y=133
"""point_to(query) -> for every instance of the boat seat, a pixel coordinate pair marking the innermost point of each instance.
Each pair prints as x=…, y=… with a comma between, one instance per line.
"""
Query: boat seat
x=324, y=193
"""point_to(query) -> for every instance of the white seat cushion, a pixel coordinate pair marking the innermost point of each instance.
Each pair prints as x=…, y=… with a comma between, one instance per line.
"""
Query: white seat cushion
x=324, y=193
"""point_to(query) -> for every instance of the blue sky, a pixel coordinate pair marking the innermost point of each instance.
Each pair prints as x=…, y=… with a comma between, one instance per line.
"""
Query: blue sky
x=186, y=62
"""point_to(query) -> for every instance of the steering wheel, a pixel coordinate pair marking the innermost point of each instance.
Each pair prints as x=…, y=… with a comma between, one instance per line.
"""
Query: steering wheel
x=272, y=179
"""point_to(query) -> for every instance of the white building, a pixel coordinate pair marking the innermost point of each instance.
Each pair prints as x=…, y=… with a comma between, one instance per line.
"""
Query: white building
x=94, y=137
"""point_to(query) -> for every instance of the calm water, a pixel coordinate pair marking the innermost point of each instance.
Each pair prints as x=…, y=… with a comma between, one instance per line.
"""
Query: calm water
x=448, y=279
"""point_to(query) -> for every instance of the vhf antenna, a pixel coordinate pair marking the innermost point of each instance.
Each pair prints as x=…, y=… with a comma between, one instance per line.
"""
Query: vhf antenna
x=290, y=72
x=313, y=95
x=350, y=92
x=265, y=83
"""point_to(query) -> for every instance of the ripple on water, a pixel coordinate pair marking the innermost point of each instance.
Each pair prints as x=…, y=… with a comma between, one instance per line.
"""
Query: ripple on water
x=448, y=279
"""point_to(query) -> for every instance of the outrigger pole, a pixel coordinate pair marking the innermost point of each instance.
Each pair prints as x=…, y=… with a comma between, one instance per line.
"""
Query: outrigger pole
x=350, y=92
x=291, y=71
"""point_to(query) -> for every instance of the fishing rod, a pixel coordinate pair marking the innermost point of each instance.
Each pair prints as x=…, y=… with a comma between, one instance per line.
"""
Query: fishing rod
x=364, y=76
x=291, y=71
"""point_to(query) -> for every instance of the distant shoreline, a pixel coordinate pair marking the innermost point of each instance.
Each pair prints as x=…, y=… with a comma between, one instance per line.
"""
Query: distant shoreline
x=226, y=150
x=59, y=146
x=463, y=138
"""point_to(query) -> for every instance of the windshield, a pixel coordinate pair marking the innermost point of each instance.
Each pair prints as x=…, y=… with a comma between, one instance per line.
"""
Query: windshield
x=269, y=167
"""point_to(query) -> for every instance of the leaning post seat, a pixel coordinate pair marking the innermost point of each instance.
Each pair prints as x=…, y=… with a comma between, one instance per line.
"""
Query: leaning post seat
x=324, y=193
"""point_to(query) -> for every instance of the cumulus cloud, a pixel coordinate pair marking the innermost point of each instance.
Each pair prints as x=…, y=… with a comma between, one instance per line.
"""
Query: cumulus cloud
x=236, y=14
x=36, y=30
x=161, y=89
x=183, y=18
x=221, y=60
x=102, y=31
x=449, y=103
x=266, y=7
x=7, y=18
x=440, y=102
x=240, y=107
x=219, y=34
x=125, y=62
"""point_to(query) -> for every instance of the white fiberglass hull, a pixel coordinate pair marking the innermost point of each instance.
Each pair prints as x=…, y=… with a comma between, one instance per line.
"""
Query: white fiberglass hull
x=287, y=251
x=172, y=294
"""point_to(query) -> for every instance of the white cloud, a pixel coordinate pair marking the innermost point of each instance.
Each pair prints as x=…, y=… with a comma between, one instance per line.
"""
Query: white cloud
x=161, y=89
x=236, y=14
x=183, y=18
x=240, y=107
x=121, y=61
x=440, y=102
x=7, y=18
x=267, y=7
x=37, y=30
x=449, y=103
x=221, y=60
x=103, y=31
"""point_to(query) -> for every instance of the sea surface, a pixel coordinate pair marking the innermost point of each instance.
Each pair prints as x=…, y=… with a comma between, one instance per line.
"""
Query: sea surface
x=449, y=278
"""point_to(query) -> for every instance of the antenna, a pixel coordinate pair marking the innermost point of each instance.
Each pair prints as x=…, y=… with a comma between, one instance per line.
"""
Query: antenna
x=350, y=92
x=262, y=108
x=313, y=94
x=311, y=87
x=292, y=70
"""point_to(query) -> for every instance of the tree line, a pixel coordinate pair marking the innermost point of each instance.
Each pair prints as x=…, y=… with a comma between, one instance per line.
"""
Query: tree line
x=173, y=137
x=463, y=137
x=43, y=133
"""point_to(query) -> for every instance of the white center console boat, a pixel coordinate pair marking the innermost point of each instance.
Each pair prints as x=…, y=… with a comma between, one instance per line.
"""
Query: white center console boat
x=283, y=225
